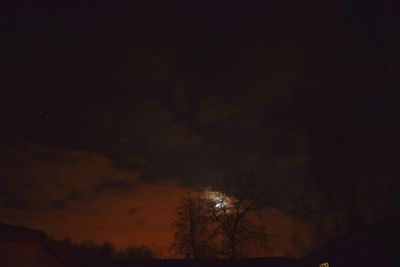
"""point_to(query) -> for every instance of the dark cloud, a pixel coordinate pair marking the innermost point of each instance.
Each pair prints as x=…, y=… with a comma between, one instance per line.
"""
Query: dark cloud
x=63, y=204
x=88, y=196
x=114, y=186
x=59, y=204
x=11, y=201
x=150, y=95
x=132, y=210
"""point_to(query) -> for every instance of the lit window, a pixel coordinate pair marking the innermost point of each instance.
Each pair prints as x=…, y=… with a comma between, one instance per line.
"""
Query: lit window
x=325, y=264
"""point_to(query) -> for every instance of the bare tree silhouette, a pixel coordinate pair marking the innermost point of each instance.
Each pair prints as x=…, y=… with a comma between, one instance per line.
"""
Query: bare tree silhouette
x=192, y=226
x=236, y=209
x=223, y=222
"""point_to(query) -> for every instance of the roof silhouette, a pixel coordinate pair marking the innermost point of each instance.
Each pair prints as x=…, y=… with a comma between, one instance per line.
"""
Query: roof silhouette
x=13, y=233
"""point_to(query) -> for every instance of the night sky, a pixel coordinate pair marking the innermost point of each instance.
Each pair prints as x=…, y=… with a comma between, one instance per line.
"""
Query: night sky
x=110, y=112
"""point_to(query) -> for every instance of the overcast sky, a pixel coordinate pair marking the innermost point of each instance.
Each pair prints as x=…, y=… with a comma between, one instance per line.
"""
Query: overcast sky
x=109, y=113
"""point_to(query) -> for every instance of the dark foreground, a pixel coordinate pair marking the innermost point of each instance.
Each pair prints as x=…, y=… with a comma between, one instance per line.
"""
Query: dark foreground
x=372, y=246
x=253, y=262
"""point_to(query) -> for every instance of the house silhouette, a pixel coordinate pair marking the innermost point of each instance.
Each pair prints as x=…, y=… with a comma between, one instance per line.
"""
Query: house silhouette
x=23, y=247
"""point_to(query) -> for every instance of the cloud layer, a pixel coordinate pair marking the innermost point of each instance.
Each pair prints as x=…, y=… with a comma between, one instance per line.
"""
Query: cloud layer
x=82, y=195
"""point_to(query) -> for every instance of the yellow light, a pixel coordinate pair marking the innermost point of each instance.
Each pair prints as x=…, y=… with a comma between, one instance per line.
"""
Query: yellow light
x=325, y=264
x=221, y=201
